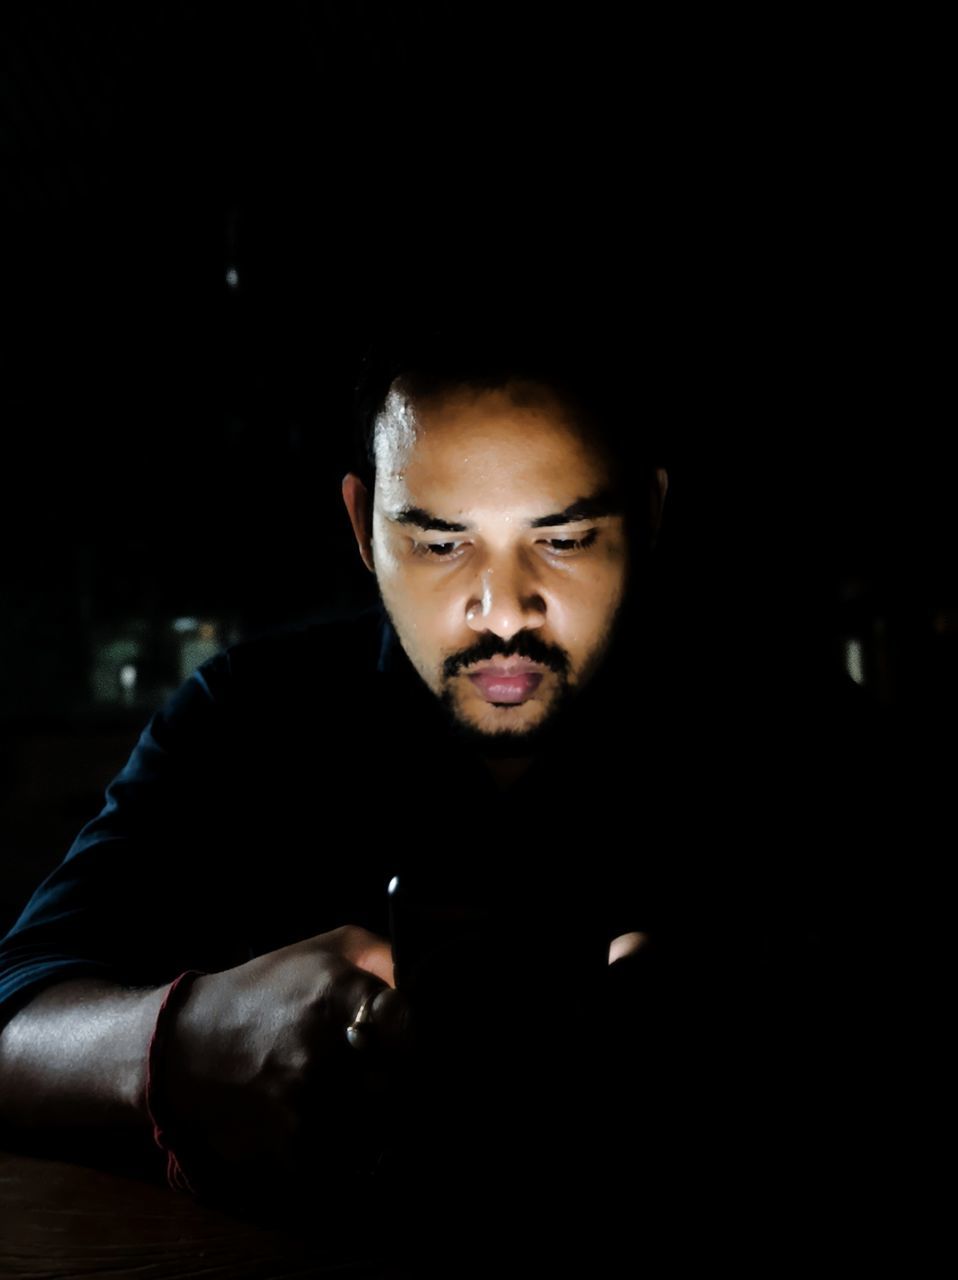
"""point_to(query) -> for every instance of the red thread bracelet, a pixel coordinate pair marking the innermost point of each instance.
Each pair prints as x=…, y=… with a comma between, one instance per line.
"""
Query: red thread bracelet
x=155, y=1094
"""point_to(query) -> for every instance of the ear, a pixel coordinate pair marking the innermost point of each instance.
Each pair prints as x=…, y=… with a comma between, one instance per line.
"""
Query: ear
x=658, y=488
x=360, y=508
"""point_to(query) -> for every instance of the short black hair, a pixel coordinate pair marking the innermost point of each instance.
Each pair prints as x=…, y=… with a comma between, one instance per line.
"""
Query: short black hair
x=594, y=372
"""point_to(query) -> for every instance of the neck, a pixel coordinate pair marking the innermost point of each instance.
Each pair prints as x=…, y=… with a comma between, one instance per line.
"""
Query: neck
x=506, y=771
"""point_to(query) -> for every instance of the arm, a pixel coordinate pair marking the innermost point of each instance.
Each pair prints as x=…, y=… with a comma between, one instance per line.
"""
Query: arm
x=84, y=969
x=74, y=1059
x=249, y=1054
x=142, y=895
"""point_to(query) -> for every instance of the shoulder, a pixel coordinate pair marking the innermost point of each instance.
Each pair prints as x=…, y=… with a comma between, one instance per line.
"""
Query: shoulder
x=291, y=673
x=342, y=642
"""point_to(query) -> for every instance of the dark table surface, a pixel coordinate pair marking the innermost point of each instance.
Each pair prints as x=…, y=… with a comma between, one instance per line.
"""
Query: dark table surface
x=60, y=1219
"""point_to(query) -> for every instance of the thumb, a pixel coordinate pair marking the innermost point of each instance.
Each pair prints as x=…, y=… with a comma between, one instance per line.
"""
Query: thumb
x=388, y=1021
x=376, y=957
x=364, y=949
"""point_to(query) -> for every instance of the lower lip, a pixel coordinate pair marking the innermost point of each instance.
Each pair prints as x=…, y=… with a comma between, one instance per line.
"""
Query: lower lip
x=507, y=688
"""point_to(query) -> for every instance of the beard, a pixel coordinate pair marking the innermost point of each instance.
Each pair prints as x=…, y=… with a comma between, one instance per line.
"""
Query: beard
x=573, y=708
x=502, y=744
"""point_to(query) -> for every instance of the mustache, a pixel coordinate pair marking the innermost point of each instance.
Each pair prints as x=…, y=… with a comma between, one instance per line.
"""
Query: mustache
x=524, y=646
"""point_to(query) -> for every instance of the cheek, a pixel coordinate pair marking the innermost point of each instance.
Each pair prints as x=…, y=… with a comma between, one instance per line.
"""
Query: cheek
x=613, y=571
x=425, y=613
x=598, y=589
x=388, y=563
x=584, y=611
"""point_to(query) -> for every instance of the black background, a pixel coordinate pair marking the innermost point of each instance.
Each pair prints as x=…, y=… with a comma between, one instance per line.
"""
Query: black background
x=755, y=204
x=754, y=207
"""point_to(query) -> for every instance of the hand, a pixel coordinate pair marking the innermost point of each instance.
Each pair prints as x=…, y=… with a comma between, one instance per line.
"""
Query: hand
x=259, y=1073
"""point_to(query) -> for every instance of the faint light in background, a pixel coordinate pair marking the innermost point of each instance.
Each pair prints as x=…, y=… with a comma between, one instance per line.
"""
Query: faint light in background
x=116, y=656
x=198, y=640
x=854, y=660
x=128, y=682
x=232, y=277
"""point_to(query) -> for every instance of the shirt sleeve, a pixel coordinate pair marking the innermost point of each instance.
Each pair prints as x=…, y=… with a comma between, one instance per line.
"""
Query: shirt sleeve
x=138, y=895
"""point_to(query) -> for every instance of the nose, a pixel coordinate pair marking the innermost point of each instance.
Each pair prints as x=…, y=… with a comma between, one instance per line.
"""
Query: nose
x=506, y=599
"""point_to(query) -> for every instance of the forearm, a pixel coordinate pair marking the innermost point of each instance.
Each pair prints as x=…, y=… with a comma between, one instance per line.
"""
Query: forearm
x=74, y=1059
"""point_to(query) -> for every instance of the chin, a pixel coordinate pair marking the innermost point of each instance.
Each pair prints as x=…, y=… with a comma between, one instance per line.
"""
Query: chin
x=510, y=740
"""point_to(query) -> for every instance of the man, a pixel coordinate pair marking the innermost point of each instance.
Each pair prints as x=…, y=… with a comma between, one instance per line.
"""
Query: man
x=506, y=624
x=499, y=734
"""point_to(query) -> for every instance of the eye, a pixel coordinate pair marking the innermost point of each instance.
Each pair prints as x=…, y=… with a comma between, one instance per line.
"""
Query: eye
x=560, y=547
x=568, y=546
x=437, y=550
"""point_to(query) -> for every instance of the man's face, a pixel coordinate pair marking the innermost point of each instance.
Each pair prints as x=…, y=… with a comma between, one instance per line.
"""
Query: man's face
x=498, y=560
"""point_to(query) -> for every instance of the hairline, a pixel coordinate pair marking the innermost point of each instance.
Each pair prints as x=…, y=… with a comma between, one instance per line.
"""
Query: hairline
x=528, y=391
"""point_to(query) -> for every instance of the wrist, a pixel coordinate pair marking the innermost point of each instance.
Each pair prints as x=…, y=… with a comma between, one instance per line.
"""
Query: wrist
x=135, y=1079
x=161, y=1114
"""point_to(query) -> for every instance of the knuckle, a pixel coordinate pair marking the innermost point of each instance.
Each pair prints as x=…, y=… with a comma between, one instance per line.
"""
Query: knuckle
x=354, y=934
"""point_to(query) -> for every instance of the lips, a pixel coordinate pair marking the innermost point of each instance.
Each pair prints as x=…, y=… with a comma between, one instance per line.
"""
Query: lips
x=496, y=685
x=508, y=667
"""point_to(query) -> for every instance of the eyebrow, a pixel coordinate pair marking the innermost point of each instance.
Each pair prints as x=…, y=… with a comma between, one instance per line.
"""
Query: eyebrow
x=606, y=503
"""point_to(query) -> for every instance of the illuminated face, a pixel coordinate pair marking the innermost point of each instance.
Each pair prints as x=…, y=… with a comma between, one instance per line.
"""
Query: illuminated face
x=499, y=557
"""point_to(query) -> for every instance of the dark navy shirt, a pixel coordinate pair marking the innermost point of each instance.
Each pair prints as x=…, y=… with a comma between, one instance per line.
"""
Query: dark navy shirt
x=753, y=827
x=290, y=777
x=272, y=798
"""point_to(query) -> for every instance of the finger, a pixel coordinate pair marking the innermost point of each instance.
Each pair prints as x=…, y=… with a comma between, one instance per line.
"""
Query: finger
x=366, y=950
x=387, y=1022
x=377, y=959
x=626, y=944
x=373, y=1016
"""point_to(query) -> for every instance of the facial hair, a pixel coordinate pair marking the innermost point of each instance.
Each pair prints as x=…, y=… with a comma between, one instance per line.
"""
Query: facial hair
x=508, y=743
x=573, y=706
x=569, y=710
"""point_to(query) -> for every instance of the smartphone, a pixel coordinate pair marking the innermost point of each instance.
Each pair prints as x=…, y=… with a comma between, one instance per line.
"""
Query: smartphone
x=504, y=989
x=434, y=922
x=465, y=948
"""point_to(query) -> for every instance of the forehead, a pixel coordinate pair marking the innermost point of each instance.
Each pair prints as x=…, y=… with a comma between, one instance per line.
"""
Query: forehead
x=481, y=441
